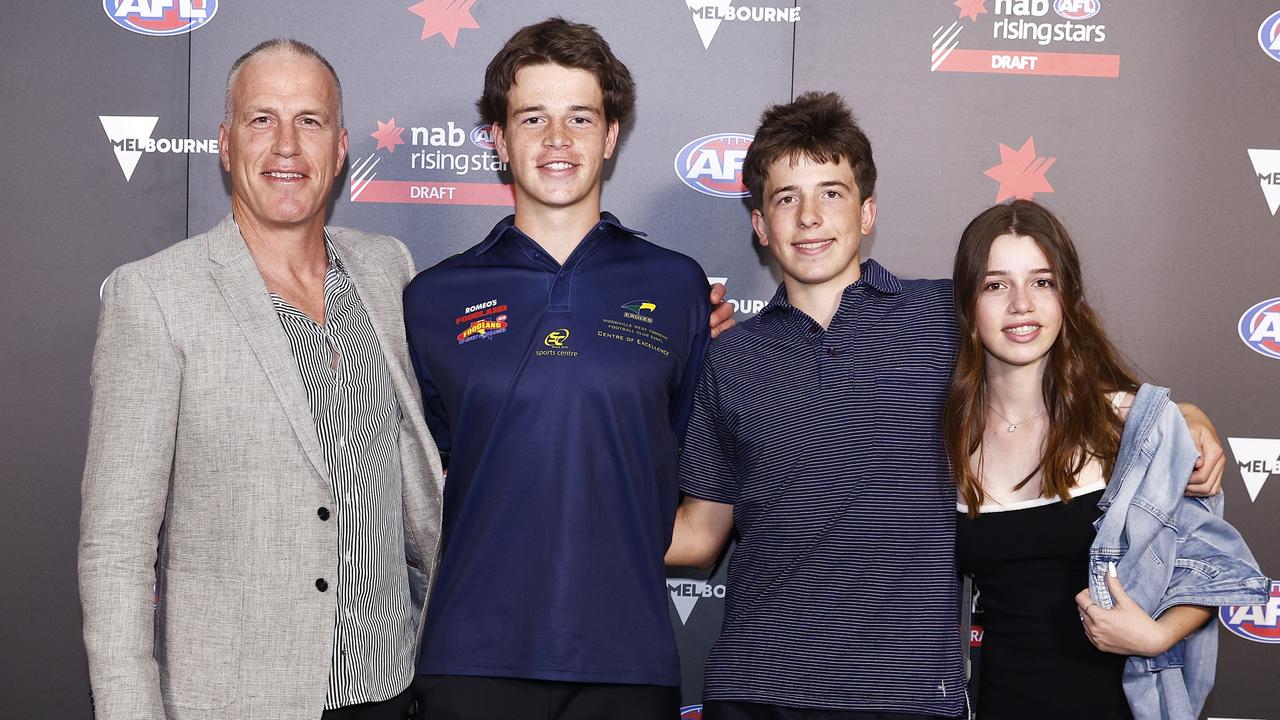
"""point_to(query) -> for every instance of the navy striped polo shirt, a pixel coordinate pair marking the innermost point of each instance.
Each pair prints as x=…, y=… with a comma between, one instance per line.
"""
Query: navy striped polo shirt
x=559, y=393
x=842, y=590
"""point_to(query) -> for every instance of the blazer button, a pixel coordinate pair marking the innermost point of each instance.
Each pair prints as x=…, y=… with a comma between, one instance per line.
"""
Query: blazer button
x=321, y=585
x=323, y=513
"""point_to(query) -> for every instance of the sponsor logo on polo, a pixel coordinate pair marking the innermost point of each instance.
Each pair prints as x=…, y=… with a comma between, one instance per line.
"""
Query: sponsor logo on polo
x=556, y=338
x=640, y=306
x=1258, y=459
x=1022, y=38
x=1260, y=328
x=487, y=329
x=708, y=14
x=712, y=164
x=431, y=152
x=1269, y=36
x=160, y=17
x=130, y=137
x=1260, y=623
x=1266, y=164
x=685, y=594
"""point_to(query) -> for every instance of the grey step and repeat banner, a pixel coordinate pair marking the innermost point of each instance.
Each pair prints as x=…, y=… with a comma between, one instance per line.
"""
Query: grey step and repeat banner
x=1152, y=128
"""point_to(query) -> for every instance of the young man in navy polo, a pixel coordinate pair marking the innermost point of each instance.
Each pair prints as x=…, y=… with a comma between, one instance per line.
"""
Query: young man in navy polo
x=557, y=360
x=817, y=432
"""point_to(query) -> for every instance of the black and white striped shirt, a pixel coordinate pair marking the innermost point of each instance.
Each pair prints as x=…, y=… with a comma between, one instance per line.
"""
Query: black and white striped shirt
x=357, y=419
x=828, y=442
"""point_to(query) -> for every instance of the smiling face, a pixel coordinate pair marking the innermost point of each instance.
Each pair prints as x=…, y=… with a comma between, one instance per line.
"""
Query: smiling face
x=1019, y=309
x=555, y=139
x=812, y=219
x=282, y=143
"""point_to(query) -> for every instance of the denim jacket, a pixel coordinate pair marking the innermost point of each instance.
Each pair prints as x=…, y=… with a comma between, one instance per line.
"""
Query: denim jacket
x=1170, y=550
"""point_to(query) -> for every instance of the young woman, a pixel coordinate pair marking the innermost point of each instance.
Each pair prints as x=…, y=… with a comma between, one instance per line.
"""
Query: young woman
x=1034, y=426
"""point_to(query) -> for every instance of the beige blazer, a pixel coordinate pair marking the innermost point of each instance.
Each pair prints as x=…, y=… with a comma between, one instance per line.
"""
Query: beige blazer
x=200, y=542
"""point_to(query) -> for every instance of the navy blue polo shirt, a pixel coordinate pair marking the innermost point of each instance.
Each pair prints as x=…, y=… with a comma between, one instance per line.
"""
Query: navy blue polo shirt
x=828, y=443
x=559, y=394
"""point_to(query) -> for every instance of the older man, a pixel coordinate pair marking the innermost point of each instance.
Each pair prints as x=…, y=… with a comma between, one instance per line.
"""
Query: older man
x=256, y=440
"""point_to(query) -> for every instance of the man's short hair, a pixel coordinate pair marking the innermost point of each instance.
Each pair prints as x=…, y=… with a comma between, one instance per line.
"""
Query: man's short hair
x=294, y=46
x=817, y=126
x=557, y=41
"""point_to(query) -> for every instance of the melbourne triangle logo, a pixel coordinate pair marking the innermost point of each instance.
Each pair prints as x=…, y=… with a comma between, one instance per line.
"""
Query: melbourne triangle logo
x=1266, y=164
x=1258, y=458
x=128, y=135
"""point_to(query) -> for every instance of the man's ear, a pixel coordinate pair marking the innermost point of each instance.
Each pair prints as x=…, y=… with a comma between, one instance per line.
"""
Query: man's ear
x=499, y=141
x=758, y=224
x=868, y=215
x=610, y=139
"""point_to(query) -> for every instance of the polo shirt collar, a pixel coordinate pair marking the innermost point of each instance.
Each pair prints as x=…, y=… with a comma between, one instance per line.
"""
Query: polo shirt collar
x=874, y=275
x=507, y=227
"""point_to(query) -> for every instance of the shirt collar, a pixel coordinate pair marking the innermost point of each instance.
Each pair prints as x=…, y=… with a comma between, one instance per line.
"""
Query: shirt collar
x=874, y=275
x=507, y=226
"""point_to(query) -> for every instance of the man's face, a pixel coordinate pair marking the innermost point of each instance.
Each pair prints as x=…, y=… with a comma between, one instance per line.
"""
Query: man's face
x=812, y=219
x=555, y=137
x=282, y=144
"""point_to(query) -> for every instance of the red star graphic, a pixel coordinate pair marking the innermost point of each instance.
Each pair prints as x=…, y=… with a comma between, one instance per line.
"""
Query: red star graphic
x=1020, y=173
x=971, y=8
x=388, y=136
x=445, y=17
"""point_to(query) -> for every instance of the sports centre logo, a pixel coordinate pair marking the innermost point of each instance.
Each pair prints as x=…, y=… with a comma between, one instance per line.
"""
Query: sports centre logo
x=160, y=17
x=1259, y=328
x=712, y=164
x=1266, y=165
x=1260, y=623
x=1024, y=37
x=1258, y=459
x=709, y=14
x=450, y=151
x=130, y=137
x=1269, y=36
x=1021, y=172
x=685, y=594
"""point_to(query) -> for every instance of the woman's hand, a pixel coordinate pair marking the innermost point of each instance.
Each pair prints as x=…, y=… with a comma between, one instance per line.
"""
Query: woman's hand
x=1127, y=629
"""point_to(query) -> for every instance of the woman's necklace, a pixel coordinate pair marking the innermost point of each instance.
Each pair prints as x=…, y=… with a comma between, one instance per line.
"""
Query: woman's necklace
x=1013, y=426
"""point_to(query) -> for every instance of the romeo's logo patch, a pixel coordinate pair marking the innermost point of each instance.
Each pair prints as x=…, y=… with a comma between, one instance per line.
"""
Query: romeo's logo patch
x=556, y=338
x=486, y=329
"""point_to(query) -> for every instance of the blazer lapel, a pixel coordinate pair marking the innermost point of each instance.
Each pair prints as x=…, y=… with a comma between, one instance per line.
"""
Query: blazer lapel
x=246, y=295
x=381, y=297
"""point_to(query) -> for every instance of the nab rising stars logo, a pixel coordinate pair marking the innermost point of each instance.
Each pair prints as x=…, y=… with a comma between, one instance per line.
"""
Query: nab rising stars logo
x=1260, y=328
x=1269, y=36
x=160, y=17
x=1255, y=622
x=712, y=164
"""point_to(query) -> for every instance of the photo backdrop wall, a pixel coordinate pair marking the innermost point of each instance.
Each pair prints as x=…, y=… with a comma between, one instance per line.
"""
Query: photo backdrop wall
x=1150, y=127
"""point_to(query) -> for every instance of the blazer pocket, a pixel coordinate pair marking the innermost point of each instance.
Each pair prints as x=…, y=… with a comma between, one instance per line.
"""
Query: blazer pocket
x=198, y=640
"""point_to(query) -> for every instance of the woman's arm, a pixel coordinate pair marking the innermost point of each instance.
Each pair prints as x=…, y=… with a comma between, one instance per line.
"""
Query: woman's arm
x=1127, y=629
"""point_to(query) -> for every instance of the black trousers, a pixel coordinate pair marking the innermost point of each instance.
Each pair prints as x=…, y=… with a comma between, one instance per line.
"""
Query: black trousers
x=399, y=707
x=730, y=710
x=459, y=697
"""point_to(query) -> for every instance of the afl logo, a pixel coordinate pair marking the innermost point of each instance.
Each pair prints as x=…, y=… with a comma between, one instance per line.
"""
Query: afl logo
x=1255, y=622
x=482, y=137
x=1077, y=9
x=691, y=712
x=160, y=17
x=713, y=164
x=1260, y=328
x=1269, y=36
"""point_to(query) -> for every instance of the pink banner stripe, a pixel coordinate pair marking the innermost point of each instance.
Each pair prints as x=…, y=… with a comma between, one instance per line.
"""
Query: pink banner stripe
x=1032, y=63
x=436, y=193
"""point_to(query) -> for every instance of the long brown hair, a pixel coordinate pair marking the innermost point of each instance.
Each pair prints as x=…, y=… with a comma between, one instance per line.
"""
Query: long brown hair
x=1083, y=365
